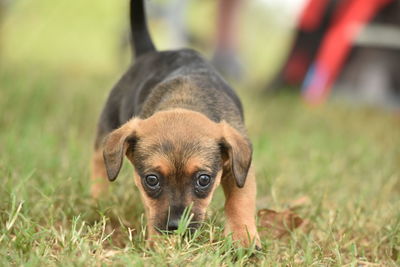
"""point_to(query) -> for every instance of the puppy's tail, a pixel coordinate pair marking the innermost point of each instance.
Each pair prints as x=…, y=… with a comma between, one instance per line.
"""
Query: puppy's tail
x=141, y=39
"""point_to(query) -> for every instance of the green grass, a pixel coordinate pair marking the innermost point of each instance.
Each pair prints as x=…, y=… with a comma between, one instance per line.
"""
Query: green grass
x=345, y=159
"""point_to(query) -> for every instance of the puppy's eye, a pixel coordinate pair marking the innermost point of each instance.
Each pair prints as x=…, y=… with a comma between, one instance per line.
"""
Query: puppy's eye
x=203, y=180
x=152, y=181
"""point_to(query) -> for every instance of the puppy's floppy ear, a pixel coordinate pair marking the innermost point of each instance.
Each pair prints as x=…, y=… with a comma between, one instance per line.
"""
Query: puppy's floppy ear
x=238, y=150
x=116, y=145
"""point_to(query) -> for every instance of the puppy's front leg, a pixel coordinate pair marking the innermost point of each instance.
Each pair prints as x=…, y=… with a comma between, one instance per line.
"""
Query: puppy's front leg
x=99, y=182
x=240, y=208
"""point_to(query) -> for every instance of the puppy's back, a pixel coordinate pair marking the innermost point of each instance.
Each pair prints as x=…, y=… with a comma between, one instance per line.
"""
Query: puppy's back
x=161, y=80
x=165, y=80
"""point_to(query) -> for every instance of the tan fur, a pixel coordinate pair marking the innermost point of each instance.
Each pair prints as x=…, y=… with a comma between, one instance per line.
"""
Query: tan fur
x=99, y=183
x=161, y=163
x=203, y=203
x=164, y=166
x=151, y=206
x=240, y=208
x=191, y=124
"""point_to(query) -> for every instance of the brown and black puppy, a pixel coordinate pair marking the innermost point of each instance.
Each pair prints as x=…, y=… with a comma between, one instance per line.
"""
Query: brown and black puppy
x=182, y=128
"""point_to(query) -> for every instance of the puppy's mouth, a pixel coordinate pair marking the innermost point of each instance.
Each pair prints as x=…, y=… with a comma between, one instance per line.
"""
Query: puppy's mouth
x=177, y=226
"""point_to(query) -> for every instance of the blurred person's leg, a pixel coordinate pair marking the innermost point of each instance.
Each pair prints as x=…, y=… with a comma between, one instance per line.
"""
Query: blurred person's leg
x=225, y=57
x=314, y=21
x=336, y=46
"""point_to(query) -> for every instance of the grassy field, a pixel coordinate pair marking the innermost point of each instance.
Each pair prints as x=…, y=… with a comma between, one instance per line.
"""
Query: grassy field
x=58, y=61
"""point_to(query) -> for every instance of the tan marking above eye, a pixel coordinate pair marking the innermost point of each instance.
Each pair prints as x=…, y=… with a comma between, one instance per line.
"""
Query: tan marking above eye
x=161, y=164
x=193, y=165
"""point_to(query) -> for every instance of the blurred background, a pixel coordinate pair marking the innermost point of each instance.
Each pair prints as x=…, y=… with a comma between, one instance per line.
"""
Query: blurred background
x=82, y=36
x=322, y=48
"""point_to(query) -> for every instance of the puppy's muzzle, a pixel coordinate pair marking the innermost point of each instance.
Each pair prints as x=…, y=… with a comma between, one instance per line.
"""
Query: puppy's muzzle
x=173, y=219
x=173, y=225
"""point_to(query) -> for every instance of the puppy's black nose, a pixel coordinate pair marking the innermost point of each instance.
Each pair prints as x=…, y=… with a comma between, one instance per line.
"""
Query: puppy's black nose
x=172, y=225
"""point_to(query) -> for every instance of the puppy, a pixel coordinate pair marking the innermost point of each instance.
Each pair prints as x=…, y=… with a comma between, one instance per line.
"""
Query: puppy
x=181, y=126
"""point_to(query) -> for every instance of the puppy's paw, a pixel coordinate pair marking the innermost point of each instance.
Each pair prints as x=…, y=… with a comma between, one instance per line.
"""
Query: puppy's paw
x=245, y=237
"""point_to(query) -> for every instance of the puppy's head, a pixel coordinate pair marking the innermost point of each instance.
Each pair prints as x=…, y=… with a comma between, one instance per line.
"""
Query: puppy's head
x=179, y=158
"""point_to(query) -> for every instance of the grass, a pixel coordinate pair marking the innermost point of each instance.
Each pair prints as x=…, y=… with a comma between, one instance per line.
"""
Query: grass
x=345, y=159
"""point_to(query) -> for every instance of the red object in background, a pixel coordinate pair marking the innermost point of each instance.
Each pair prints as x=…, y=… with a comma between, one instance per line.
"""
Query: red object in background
x=312, y=25
x=296, y=67
x=336, y=45
x=312, y=15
